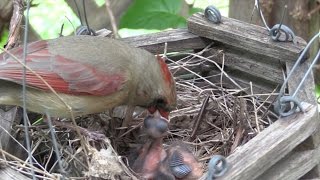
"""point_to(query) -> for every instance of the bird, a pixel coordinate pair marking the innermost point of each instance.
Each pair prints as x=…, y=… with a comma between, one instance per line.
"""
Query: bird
x=182, y=163
x=155, y=126
x=149, y=159
x=155, y=162
x=90, y=74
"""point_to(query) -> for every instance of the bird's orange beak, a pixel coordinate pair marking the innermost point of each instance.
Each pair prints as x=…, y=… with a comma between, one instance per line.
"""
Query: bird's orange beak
x=159, y=112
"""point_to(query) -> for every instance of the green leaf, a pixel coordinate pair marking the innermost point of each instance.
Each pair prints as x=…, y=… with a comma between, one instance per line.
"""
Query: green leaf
x=151, y=14
x=48, y=17
x=317, y=90
x=100, y=2
x=124, y=32
x=4, y=38
x=195, y=10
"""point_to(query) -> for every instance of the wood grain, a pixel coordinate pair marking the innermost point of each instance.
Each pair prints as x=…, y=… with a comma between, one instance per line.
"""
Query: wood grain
x=306, y=94
x=293, y=166
x=177, y=39
x=248, y=63
x=272, y=144
x=250, y=38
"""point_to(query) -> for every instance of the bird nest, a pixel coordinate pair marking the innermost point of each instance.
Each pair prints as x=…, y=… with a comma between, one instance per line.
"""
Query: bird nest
x=211, y=118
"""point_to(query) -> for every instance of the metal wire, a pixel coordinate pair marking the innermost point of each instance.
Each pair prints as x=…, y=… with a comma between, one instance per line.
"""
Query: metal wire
x=78, y=11
x=24, y=98
x=214, y=169
x=257, y=5
x=55, y=145
x=278, y=29
x=213, y=14
x=282, y=100
x=83, y=29
x=85, y=14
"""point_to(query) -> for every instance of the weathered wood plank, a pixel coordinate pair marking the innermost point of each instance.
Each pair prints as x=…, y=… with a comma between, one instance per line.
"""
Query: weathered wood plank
x=251, y=38
x=251, y=64
x=272, y=144
x=177, y=39
x=259, y=85
x=293, y=166
x=306, y=94
x=307, y=91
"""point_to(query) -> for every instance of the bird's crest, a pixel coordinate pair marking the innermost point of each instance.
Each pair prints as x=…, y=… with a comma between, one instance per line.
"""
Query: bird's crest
x=165, y=70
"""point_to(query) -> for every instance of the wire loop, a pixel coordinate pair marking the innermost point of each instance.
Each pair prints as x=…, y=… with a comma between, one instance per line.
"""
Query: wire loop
x=287, y=105
x=85, y=30
x=278, y=29
x=283, y=102
x=217, y=167
x=212, y=14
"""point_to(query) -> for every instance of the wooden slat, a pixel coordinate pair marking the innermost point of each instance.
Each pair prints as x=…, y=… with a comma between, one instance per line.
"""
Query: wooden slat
x=259, y=86
x=307, y=91
x=306, y=94
x=177, y=39
x=272, y=144
x=293, y=166
x=253, y=65
x=250, y=38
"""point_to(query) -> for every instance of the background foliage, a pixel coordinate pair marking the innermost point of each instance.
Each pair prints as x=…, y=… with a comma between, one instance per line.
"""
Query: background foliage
x=142, y=17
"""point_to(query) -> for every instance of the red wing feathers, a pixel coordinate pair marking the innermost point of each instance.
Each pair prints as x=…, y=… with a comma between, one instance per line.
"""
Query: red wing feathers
x=64, y=75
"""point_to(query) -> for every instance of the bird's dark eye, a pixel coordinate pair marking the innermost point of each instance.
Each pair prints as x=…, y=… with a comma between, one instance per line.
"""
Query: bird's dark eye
x=161, y=103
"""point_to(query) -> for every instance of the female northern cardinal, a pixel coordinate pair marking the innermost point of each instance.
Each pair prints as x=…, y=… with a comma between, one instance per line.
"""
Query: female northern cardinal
x=90, y=74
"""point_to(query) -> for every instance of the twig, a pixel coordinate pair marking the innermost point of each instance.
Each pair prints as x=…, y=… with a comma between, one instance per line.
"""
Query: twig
x=240, y=129
x=21, y=161
x=314, y=10
x=93, y=135
x=199, y=118
x=255, y=109
x=216, y=64
x=130, y=130
x=16, y=141
x=15, y=24
x=112, y=19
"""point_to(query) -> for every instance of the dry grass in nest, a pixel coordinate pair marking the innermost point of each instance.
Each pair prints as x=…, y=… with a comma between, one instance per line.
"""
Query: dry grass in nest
x=211, y=118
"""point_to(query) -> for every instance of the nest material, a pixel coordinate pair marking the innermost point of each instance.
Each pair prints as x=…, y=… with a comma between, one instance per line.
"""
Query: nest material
x=211, y=118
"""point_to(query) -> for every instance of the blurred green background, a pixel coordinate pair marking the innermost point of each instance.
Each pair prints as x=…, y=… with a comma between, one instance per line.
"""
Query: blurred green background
x=48, y=16
x=142, y=17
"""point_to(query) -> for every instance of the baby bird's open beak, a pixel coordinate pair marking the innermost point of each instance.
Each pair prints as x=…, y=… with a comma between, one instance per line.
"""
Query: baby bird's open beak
x=156, y=126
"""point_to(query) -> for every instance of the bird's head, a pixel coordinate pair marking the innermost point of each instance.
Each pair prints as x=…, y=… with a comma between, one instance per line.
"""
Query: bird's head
x=166, y=99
